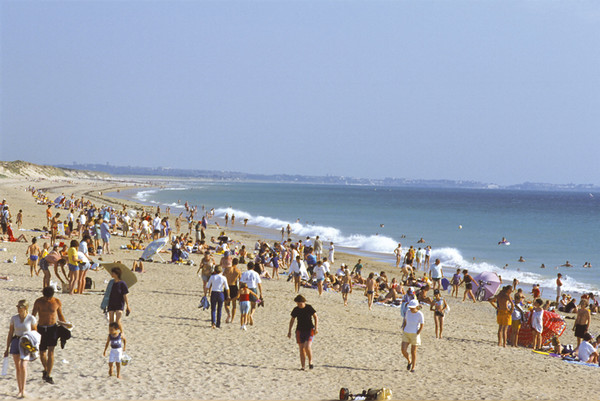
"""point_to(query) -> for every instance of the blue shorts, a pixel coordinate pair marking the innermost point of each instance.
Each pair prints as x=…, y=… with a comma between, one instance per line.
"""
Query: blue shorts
x=320, y=279
x=84, y=266
x=43, y=264
x=33, y=258
x=244, y=307
x=14, y=346
x=252, y=297
x=73, y=268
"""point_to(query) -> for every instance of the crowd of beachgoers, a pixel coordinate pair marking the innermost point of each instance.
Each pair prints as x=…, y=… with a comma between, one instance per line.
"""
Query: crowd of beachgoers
x=77, y=238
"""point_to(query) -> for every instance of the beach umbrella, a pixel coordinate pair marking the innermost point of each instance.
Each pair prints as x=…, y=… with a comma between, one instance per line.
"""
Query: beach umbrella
x=126, y=274
x=154, y=248
x=492, y=283
x=59, y=199
x=553, y=323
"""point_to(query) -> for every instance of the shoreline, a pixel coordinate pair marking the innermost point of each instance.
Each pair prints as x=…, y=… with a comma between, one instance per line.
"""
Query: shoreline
x=379, y=257
x=175, y=354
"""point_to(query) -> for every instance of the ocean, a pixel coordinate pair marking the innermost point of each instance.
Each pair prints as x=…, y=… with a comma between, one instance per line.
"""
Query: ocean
x=463, y=226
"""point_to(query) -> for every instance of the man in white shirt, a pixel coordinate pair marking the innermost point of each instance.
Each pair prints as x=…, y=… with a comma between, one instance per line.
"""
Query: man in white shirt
x=412, y=327
x=219, y=291
x=253, y=281
x=156, y=224
x=436, y=274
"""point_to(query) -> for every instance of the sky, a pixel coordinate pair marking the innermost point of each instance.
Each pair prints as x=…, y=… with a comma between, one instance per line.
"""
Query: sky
x=494, y=91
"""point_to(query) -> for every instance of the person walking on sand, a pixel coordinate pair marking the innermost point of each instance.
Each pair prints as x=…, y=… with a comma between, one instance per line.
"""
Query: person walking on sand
x=319, y=274
x=51, y=316
x=370, y=290
x=504, y=307
x=19, y=325
x=412, y=327
x=305, y=329
x=436, y=274
x=439, y=307
x=105, y=235
x=33, y=251
x=117, y=343
x=254, y=283
x=244, y=304
x=219, y=292
x=232, y=274
x=346, y=281
x=559, y=285
x=118, y=300
x=468, y=280
x=296, y=272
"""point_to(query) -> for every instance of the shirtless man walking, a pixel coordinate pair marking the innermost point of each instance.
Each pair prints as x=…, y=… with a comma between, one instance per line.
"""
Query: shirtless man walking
x=54, y=228
x=232, y=274
x=346, y=285
x=50, y=313
x=504, y=305
x=398, y=252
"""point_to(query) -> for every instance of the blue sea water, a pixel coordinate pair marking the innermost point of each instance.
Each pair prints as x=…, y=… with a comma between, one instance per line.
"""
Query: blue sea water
x=542, y=227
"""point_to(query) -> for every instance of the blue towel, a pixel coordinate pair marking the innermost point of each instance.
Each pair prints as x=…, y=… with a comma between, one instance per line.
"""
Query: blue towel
x=204, y=304
x=104, y=303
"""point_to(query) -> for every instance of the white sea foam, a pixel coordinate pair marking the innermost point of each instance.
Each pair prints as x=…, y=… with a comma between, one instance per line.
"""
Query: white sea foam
x=449, y=257
x=145, y=195
x=452, y=258
x=373, y=243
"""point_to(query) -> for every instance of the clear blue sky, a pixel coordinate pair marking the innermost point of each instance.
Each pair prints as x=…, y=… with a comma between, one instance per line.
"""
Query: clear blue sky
x=494, y=91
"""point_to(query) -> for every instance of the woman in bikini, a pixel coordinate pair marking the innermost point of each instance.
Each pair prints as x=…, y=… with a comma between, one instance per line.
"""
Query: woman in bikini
x=468, y=280
x=439, y=307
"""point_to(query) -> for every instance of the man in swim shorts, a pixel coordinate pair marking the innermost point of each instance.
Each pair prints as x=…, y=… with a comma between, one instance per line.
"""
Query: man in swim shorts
x=504, y=307
x=558, y=286
x=34, y=253
x=50, y=313
x=232, y=274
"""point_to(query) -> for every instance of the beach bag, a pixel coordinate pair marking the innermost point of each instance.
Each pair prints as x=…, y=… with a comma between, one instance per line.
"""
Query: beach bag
x=89, y=283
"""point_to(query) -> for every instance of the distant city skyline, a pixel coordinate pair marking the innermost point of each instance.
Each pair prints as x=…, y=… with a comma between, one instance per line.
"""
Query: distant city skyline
x=502, y=92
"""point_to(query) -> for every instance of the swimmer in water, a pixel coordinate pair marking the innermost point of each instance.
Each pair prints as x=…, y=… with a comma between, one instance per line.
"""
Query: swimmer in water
x=521, y=259
x=504, y=241
x=542, y=266
x=567, y=264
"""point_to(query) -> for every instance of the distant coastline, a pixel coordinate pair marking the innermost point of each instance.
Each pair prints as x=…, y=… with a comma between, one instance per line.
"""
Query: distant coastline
x=329, y=179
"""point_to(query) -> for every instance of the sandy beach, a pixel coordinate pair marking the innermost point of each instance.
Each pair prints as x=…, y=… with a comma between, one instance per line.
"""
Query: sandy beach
x=176, y=355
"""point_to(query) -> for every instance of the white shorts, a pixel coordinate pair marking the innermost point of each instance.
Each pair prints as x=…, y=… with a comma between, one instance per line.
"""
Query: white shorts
x=115, y=355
